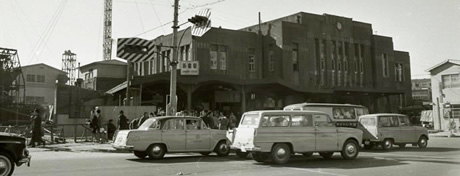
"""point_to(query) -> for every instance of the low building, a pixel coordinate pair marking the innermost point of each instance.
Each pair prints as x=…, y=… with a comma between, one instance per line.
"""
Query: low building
x=445, y=86
x=298, y=58
x=103, y=75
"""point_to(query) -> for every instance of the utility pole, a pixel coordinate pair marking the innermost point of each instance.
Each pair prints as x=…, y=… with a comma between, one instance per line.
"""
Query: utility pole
x=172, y=107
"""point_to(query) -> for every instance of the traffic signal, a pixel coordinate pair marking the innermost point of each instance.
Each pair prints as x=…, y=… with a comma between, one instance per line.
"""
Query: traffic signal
x=198, y=20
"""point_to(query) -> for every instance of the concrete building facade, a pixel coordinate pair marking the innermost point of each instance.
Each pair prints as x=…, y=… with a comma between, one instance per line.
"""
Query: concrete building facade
x=103, y=75
x=445, y=86
x=299, y=58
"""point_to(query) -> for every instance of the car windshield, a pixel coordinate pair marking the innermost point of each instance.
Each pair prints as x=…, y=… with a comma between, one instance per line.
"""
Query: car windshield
x=150, y=123
x=250, y=120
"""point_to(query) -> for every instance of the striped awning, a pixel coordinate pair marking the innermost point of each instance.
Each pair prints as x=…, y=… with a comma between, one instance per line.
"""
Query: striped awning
x=135, y=49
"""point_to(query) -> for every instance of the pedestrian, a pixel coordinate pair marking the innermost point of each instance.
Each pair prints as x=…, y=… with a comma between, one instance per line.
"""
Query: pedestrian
x=111, y=128
x=95, y=124
x=123, y=123
x=232, y=121
x=143, y=119
x=37, y=131
x=223, y=122
x=133, y=124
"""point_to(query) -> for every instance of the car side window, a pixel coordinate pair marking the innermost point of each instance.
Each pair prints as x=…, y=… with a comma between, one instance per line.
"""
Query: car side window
x=388, y=121
x=173, y=124
x=192, y=124
x=302, y=120
x=404, y=121
x=322, y=120
x=275, y=121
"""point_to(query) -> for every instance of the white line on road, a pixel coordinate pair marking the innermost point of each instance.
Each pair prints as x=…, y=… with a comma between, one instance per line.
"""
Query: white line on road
x=317, y=171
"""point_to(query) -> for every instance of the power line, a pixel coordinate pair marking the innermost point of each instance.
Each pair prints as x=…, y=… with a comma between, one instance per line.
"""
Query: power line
x=156, y=14
x=140, y=16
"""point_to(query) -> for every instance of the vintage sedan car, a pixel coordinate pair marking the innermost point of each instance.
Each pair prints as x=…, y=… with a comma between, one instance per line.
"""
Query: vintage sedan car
x=275, y=135
x=13, y=152
x=172, y=134
x=389, y=129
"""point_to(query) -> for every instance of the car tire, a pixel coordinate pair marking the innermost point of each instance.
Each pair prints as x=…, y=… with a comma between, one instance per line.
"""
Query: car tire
x=260, y=157
x=6, y=161
x=350, y=150
x=307, y=154
x=241, y=154
x=222, y=149
x=205, y=153
x=422, y=142
x=281, y=153
x=402, y=145
x=156, y=151
x=387, y=144
x=140, y=154
x=326, y=155
x=368, y=146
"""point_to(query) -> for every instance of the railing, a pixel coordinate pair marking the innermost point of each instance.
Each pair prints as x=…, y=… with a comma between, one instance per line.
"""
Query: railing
x=58, y=133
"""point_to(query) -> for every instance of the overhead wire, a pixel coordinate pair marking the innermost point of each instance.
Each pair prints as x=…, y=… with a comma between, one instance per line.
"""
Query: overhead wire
x=48, y=30
x=156, y=14
x=140, y=16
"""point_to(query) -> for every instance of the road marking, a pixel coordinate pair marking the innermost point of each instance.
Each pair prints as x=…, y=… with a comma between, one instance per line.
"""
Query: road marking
x=418, y=156
x=317, y=171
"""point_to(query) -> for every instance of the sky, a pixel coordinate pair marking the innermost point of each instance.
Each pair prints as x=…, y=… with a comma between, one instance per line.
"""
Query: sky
x=41, y=30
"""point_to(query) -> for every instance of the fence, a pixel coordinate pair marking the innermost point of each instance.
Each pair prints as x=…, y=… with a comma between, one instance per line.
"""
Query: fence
x=56, y=133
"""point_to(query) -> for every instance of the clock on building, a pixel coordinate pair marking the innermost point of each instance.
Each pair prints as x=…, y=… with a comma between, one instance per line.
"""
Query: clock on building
x=339, y=26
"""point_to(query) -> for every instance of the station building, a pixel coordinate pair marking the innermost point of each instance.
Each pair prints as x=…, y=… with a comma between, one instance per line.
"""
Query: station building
x=298, y=58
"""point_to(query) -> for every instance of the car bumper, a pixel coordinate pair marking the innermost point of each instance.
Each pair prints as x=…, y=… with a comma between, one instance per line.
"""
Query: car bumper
x=123, y=147
x=25, y=160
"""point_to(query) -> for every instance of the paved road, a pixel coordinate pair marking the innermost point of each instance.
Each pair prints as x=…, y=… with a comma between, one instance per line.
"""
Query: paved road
x=442, y=157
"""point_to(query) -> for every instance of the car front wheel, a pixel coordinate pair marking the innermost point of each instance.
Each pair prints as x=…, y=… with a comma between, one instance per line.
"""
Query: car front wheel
x=350, y=150
x=6, y=165
x=222, y=149
x=422, y=142
x=387, y=144
x=281, y=153
x=156, y=151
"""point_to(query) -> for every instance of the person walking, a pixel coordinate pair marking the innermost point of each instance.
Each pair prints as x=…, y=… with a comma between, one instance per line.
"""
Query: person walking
x=95, y=124
x=232, y=121
x=223, y=122
x=123, y=123
x=143, y=119
x=111, y=128
x=37, y=132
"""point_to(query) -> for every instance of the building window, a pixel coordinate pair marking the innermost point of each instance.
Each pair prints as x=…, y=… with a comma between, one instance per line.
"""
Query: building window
x=295, y=57
x=399, y=73
x=450, y=81
x=322, y=48
x=455, y=110
x=271, y=59
x=223, y=57
x=252, y=63
x=41, y=78
x=30, y=78
x=213, y=57
x=385, y=67
x=185, y=53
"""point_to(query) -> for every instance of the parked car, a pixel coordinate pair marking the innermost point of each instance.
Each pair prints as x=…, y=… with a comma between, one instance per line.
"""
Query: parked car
x=172, y=134
x=275, y=135
x=13, y=152
x=343, y=115
x=389, y=129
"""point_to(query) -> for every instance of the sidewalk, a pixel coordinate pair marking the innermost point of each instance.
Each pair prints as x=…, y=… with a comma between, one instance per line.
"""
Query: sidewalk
x=443, y=134
x=78, y=147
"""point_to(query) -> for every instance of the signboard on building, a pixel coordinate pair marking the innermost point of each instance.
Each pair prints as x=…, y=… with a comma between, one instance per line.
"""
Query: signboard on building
x=189, y=68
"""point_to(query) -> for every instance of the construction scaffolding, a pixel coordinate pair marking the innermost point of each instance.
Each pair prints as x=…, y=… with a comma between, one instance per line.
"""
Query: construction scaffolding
x=69, y=66
x=11, y=78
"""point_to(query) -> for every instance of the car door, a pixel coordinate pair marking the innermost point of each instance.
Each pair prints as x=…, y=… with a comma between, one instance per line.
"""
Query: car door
x=302, y=126
x=197, y=138
x=407, y=130
x=325, y=133
x=389, y=128
x=173, y=134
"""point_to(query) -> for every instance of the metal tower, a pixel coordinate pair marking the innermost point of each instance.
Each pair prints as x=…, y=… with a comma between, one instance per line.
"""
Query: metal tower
x=69, y=61
x=107, y=42
x=11, y=78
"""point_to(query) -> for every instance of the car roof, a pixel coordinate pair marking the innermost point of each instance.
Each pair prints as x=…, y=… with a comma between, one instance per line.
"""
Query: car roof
x=322, y=104
x=282, y=111
x=382, y=114
x=172, y=117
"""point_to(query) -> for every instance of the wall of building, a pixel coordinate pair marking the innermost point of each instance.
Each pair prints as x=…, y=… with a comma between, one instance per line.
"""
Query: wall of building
x=44, y=89
x=442, y=95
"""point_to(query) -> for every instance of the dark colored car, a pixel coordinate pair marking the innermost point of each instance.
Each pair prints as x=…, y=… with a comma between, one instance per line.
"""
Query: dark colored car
x=13, y=152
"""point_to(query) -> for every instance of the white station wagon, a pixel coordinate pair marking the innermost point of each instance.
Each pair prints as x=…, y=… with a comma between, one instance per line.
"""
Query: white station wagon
x=276, y=135
x=172, y=134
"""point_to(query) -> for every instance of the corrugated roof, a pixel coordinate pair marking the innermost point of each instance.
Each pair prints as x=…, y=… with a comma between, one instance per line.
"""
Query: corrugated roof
x=117, y=88
x=456, y=62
